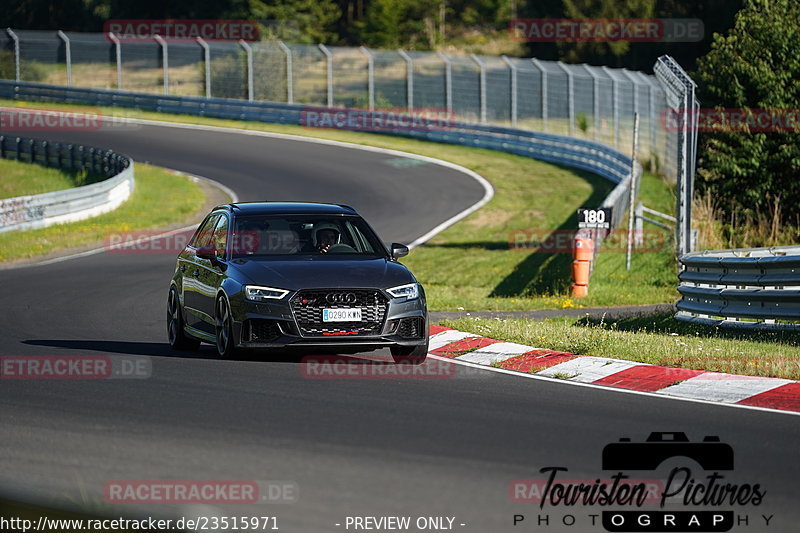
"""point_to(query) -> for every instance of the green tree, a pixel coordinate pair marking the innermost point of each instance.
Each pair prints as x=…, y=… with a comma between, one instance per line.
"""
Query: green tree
x=314, y=20
x=755, y=66
x=605, y=53
x=400, y=23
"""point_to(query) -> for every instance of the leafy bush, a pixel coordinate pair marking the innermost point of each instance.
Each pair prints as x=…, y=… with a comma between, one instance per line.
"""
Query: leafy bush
x=755, y=66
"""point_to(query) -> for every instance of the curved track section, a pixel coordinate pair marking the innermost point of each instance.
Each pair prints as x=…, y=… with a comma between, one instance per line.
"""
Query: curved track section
x=354, y=447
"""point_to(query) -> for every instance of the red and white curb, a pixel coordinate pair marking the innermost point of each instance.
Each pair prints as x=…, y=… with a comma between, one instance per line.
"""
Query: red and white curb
x=753, y=391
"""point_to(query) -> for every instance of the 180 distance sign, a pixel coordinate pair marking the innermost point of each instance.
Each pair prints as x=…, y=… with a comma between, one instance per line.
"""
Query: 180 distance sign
x=594, y=218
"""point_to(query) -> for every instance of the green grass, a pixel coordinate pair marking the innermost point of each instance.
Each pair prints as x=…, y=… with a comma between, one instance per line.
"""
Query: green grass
x=21, y=179
x=160, y=198
x=656, y=339
x=470, y=266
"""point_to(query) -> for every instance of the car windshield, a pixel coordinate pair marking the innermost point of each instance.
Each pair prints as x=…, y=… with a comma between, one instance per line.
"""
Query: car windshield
x=281, y=235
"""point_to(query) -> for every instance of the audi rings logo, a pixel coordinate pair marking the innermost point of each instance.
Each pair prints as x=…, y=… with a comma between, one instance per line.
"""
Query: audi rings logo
x=341, y=298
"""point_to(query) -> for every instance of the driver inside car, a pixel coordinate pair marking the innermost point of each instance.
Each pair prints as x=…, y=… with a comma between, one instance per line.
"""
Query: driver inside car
x=325, y=235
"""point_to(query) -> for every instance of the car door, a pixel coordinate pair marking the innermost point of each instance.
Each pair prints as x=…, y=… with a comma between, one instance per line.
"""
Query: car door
x=212, y=273
x=189, y=265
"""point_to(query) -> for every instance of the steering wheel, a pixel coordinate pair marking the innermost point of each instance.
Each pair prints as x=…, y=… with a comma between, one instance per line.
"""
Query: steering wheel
x=341, y=247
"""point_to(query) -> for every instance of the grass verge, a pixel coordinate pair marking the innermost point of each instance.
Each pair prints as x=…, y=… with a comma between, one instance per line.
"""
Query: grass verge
x=656, y=339
x=471, y=266
x=160, y=199
x=22, y=179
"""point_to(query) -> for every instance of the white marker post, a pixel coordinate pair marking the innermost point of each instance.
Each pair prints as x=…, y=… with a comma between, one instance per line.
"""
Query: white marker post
x=632, y=201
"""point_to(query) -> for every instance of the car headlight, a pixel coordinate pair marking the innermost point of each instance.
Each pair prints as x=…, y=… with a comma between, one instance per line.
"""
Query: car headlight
x=261, y=294
x=409, y=292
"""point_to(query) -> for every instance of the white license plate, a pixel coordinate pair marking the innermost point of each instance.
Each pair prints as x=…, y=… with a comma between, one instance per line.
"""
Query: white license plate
x=341, y=315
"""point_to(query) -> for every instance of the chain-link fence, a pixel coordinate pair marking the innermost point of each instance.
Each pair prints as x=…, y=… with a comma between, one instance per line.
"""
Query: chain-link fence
x=596, y=103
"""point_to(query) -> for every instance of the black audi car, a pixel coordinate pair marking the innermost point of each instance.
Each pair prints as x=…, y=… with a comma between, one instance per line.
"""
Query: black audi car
x=286, y=274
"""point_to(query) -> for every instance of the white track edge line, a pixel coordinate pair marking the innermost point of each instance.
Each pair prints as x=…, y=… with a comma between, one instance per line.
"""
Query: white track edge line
x=611, y=389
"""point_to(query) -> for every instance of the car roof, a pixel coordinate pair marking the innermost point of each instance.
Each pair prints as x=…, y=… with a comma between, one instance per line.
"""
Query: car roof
x=286, y=208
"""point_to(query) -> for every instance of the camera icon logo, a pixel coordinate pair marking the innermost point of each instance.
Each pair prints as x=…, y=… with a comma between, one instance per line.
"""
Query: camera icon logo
x=710, y=453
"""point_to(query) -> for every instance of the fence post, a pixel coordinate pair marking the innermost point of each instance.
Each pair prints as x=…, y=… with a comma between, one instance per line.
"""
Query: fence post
x=615, y=104
x=207, y=61
x=329, y=63
x=652, y=124
x=482, y=83
x=409, y=79
x=16, y=52
x=370, y=76
x=448, y=82
x=68, y=56
x=249, y=51
x=595, y=100
x=653, y=118
x=164, y=60
x=544, y=92
x=679, y=90
x=628, y=74
x=513, y=71
x=289, y=78
x=118, y=46
x=570, y=98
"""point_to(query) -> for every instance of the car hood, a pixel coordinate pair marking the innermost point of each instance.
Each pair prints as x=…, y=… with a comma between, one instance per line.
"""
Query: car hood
x=316, y=272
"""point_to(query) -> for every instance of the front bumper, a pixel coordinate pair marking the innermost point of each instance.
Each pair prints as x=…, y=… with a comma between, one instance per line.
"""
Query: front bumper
x=275, y=325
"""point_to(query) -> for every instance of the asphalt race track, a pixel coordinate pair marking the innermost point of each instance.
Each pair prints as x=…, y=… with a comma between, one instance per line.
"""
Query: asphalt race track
x=352, y=447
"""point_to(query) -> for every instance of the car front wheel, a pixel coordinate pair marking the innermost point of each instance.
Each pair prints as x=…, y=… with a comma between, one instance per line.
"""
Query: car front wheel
x=226, y=346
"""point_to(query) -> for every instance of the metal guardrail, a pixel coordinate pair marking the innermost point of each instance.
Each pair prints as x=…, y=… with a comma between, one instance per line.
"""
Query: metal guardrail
x=36, y=211
x=578, y=153
x=747, y=288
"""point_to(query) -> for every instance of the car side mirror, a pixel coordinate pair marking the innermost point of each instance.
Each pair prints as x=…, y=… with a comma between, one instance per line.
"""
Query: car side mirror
x=207, y=252
x=399, y=250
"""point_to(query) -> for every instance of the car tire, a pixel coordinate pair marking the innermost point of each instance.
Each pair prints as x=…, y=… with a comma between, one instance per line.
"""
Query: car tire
x=226, y=345
x=178, y=340
x=414, y=355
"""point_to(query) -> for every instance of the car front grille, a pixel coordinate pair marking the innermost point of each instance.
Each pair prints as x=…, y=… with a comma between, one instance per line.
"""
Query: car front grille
x=307, y=307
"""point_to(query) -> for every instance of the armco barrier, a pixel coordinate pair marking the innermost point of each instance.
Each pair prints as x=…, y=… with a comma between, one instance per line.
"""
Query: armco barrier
x=746, y=288
x=27, y=212
x=578, y=153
